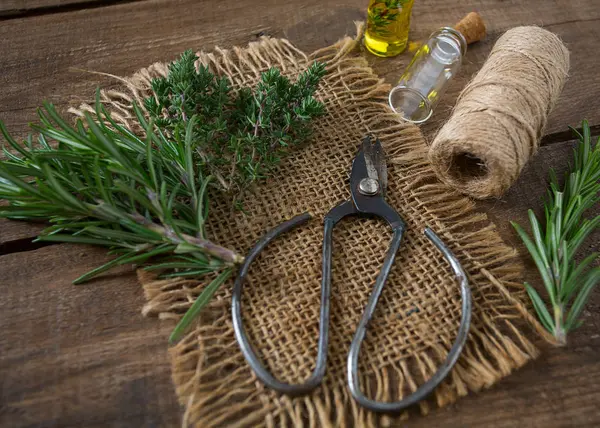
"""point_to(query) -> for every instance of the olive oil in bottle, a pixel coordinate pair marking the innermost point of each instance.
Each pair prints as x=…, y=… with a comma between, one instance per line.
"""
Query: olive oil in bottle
x=388, y=22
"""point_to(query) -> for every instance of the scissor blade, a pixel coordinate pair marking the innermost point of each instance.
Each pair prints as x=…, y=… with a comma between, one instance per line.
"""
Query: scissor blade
x=375, y=161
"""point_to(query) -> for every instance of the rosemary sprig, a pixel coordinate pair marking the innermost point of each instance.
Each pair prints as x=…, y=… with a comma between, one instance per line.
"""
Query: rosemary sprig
x=100, y=184
x=554, y=247
x=146, y=198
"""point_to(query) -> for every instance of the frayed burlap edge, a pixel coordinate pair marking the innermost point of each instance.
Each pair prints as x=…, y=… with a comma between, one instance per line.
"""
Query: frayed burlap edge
x=492, y=354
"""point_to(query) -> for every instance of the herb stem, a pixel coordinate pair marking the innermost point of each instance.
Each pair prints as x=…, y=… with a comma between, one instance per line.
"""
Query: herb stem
x=147, y=199
x=223, y=253
x=559, y=332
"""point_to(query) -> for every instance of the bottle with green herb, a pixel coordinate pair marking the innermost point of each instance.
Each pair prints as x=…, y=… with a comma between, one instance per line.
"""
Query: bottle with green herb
x=388, y=23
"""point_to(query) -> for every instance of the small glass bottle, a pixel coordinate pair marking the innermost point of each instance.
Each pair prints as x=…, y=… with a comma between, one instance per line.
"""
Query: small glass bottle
x=388, y=22
x=426, y=78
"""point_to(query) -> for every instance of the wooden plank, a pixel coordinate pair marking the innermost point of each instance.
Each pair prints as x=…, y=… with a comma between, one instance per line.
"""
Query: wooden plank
x=11, y=231
x=15, y=8
x=560, y=389
x=120, y=39
x=129, y=36
x=79, y=355
x=84, y=356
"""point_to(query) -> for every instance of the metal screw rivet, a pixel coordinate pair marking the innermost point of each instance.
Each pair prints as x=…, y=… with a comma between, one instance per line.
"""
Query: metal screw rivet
x=368, y=186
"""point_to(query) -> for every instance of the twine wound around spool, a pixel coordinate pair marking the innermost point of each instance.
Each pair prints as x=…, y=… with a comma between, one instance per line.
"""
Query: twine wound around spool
x=500, y=115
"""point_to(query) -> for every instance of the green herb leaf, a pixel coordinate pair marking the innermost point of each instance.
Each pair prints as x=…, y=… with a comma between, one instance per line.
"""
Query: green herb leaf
x=555, y=250
x=540, y=307
x=146, y=197
x=200, y=302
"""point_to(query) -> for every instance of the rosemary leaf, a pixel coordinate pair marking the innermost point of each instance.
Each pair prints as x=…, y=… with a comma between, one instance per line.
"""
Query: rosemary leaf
x=568, y=284
x=146, y=197
x=200, y=302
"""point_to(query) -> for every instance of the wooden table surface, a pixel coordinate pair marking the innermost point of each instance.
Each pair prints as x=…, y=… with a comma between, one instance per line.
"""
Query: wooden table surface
x=83, y=356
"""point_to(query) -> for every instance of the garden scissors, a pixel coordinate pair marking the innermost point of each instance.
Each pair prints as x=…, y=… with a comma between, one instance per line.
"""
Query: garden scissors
x=368, y=182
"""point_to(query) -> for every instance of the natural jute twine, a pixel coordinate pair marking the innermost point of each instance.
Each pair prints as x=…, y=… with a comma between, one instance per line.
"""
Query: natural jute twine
x=419, y=312
x=500, y=116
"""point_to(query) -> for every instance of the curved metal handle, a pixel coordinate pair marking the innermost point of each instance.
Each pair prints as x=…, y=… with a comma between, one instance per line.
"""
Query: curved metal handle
x=463, y=330
x=261, y=372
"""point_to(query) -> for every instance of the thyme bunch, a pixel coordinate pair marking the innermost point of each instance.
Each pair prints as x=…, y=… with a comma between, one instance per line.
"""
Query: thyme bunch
x=553, y=247
x=145, y=197
x=239, y=137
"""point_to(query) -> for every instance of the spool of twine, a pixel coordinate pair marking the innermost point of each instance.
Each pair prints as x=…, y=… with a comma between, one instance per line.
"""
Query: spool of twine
x=500, y=116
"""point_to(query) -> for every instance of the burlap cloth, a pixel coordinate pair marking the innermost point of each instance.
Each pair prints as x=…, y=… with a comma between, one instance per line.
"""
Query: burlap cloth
x=419, y=312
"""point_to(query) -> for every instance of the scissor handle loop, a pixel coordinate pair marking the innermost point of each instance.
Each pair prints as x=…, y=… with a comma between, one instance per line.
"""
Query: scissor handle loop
x=331, y=219
x=463, y=330
x=261, y=371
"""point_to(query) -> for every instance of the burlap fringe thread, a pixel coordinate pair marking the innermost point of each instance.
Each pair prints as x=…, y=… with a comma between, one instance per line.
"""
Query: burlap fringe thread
x=213, y=382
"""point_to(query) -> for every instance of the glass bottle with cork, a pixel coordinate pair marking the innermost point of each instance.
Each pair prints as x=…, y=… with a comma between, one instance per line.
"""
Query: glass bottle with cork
x=434, y=64
x=388, y=23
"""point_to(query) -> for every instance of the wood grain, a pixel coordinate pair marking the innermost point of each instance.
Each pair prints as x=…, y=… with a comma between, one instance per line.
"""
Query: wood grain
x=560, y=389
x=18, y=8
x=79, y=355
x=121, y=38
x=84, y=356
x=11, y=231
x=125, y=37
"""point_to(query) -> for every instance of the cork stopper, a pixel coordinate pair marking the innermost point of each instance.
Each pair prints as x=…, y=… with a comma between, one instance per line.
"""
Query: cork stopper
x=471, y=27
